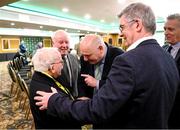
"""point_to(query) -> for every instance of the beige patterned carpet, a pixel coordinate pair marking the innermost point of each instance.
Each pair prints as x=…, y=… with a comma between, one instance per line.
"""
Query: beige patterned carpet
x=11, y=115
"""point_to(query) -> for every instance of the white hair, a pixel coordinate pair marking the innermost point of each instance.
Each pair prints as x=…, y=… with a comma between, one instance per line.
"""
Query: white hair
x=44, y=57
x=59, y=33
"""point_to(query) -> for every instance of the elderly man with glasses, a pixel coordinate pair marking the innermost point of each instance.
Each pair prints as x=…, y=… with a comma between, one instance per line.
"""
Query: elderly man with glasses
x=48, y=64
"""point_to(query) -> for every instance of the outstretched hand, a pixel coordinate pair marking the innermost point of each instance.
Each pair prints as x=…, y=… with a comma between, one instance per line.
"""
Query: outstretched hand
x=89, y=80
x=43, y=98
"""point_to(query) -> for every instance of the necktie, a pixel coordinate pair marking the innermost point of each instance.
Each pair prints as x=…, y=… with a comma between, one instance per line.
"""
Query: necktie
x=169, y=49
x=98, y=72
x=67, y=70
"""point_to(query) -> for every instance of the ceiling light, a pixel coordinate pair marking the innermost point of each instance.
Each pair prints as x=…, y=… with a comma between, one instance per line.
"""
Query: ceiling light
x=102, y=21
x=40, y=26
x=78, y=31
x=66, y=29
x=87, y=16
x=25, y=0
x=65, y=10
x=12, y=24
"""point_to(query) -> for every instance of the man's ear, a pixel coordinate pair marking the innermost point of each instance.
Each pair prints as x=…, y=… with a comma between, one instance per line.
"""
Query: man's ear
x=139, y=25
x=51, y=68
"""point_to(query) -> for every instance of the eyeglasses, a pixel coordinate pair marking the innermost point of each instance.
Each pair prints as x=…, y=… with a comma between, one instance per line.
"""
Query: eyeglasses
x=62, y=62
x=121, y=27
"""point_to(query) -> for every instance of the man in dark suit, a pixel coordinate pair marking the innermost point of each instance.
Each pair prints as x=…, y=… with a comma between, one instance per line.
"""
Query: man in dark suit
x=96, y=61
x=140, y=89
x=172, y=36
x=47, y=65
x=70, y=71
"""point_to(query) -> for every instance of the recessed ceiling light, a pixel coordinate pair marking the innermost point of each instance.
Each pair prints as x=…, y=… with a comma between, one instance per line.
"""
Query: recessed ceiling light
x=12, y=24
x=102, y=21
x=40, y=26
x=65, y=10
x=66, y=29
x=87, y=16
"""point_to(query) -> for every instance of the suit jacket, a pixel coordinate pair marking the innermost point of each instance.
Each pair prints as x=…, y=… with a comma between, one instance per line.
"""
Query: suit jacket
x=87, y=68
x=65, y=80
x=174, y=118
x=41, y=82
x=139, y=92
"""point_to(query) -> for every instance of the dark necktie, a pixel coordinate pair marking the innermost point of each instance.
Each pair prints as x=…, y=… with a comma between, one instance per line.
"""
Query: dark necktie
x=169, y=49
x=67, y=71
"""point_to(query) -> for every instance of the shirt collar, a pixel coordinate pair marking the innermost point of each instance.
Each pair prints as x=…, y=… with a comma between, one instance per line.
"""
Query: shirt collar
x=135, y=44
x=176, y=46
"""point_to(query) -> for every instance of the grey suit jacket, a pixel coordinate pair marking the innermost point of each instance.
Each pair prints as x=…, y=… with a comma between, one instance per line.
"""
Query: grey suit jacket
x=65, y=80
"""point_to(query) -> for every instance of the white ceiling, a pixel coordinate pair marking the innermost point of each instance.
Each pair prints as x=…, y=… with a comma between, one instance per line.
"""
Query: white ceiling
x=98, y=9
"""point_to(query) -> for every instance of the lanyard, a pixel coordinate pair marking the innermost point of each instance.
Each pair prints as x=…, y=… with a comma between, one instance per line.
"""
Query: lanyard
x=59, y=85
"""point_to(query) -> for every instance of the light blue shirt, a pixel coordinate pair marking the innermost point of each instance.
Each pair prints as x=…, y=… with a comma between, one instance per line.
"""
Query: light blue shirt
x=175, y=49
x=101, y=67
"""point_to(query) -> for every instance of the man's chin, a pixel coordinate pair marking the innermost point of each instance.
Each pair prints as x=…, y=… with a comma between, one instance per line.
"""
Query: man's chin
x=64, y=53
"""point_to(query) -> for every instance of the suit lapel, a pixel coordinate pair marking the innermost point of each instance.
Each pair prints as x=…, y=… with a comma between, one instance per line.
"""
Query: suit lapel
x=177, y=56
x=70, y=65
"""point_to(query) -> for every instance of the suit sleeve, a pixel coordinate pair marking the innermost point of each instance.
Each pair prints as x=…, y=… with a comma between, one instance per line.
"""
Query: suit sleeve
x=105, y=103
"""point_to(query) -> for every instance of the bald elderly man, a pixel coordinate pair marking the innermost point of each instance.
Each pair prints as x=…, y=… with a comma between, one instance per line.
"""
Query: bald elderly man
x=96, y=61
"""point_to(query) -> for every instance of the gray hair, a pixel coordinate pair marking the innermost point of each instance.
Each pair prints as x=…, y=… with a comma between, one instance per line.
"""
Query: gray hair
x=44, y=57
x=175, y=16
x=143, y=12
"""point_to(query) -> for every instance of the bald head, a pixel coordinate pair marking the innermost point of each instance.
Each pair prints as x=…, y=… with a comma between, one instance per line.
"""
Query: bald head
x=61, y=40
x=91, y=40
x=92, y=48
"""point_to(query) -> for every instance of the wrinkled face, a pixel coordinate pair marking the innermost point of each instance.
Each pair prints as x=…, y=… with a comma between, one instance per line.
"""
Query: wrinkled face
x=56, y=68
x=172, y=31
x=127, y=30
x=62, y=43
x=92, y=54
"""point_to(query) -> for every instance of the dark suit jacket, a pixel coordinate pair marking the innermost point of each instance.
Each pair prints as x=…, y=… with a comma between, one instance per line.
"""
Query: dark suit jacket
x=87, y=68
x=41, y=82
x=139, y=92
x=174, y=119
x=65, y=81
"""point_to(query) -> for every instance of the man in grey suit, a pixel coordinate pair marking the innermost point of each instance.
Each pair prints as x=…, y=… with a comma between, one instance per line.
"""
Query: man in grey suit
x=172, y=36
x=69, y=76
x=140, y=89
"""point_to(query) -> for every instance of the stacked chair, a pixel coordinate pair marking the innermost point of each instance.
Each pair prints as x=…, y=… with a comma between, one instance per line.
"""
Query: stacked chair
x=21, y=77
